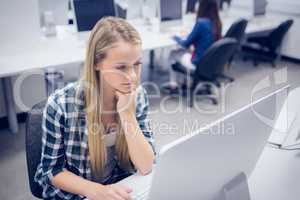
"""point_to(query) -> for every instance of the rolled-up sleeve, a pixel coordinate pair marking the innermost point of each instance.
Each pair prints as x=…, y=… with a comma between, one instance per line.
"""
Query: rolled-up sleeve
x=142, y=117
x=52, y=156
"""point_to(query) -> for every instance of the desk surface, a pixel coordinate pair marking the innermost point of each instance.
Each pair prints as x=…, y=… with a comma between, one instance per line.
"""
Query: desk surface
x=276, y=176
x=51, y=51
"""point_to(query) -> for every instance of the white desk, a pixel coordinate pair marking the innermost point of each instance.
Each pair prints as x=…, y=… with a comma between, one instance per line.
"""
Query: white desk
x=69, y=47
x=275, y=177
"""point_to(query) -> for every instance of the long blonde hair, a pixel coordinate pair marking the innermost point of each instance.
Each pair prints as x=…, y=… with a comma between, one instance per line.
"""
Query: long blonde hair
x=104, y=35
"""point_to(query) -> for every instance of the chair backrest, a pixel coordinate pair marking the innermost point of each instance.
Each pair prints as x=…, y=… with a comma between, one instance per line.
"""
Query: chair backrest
x=215, y=58
x=277, y=35
x=237, y=30
x=33, y=145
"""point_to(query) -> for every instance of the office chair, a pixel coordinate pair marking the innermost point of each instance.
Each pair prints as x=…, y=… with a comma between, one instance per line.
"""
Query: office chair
x=211, y=68
x=266, y=45
x=236, y=31
x=33, y=143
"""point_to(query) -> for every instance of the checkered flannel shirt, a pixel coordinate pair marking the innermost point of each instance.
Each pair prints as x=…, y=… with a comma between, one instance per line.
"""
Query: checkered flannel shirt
x=65, y=138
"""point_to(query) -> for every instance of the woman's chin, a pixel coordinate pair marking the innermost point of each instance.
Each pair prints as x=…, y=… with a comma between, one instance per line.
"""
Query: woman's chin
x=124, y=90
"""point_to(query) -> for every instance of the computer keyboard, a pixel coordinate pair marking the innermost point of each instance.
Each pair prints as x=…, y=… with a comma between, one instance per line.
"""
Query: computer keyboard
x=142, y=195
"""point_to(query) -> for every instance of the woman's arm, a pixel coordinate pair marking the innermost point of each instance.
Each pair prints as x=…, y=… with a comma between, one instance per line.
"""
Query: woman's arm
x=186, y=43
x=74, y=184
x=53, y=171
x=141, y=152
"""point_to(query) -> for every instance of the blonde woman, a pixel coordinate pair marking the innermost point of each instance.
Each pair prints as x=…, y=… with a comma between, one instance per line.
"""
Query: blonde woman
x=96, y=131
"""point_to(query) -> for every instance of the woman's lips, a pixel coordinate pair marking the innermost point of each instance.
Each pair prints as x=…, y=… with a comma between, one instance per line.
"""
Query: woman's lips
x=129, y=85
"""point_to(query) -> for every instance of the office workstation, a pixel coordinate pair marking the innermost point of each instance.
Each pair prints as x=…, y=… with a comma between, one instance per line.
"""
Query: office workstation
x=215, y=112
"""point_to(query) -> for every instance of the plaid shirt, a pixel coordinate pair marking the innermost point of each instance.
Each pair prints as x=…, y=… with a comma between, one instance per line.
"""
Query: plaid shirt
x=65, y=139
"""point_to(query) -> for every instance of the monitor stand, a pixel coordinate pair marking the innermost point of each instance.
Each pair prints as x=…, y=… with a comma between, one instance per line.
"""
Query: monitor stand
x=235, y=189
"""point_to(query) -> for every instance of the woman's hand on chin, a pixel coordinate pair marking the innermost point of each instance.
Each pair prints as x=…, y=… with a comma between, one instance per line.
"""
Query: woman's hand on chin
x=126, y=103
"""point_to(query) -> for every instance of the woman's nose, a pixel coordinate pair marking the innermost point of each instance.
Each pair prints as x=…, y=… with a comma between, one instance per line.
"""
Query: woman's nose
x=132, y=75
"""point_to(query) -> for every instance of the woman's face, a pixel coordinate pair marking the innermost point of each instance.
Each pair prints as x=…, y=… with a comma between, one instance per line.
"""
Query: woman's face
x=121, y=68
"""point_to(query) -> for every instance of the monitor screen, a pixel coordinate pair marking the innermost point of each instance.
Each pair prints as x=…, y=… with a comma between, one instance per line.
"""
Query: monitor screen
x=191, y=6
x=88, y=12
x=170, y=10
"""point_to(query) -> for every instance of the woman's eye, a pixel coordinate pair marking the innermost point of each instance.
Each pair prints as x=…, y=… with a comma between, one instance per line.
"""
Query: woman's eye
x=122, y=67
x=137, y=65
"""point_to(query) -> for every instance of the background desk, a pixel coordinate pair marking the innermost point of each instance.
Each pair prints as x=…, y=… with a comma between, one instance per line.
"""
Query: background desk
x=69, y=47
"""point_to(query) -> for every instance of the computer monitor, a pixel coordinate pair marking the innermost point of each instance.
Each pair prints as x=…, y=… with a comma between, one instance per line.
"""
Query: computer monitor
x=259, y=7
x=88, y=12
x=191, y=6
x=287, y=129
x=170, y=13
x=59, y=9
x=214, y=162
x=121, y=8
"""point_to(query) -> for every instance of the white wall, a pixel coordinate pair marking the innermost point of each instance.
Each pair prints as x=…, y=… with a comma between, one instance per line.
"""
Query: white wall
x=19, y=21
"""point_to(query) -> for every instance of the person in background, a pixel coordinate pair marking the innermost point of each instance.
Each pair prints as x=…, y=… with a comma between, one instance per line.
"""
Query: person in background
x=207, y=30
x=96, y=131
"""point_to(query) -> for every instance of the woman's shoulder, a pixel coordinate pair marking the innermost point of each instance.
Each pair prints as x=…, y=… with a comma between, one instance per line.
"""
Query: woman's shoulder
x=204, y=24
x=66, y=95
x=203, y=21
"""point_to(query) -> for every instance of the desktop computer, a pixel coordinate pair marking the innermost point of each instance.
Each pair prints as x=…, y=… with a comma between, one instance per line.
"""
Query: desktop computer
x=191, y=6
x=121, y=8
x=88, y=12
x=170, y=13
x=215, y=162
x=286, y=134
